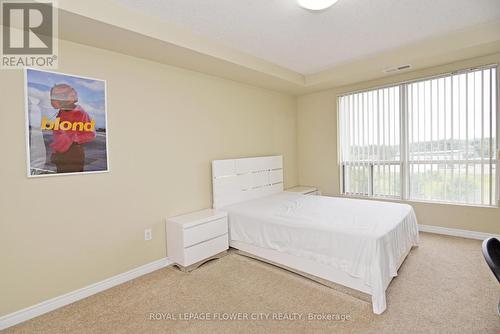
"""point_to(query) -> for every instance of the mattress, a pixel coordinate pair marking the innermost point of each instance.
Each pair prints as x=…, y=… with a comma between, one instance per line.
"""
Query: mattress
x=364, y=238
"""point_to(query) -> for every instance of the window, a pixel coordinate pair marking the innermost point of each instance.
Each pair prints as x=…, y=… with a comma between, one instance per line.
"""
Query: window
x=371, y=148
x=431, y=140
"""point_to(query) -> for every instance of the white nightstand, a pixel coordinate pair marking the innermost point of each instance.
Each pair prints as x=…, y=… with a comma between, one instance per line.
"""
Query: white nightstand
x=197, y=237
x=305, y=190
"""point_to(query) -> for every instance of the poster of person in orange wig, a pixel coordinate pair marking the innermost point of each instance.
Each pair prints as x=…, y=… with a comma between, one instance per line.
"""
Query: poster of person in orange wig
x=66, y=124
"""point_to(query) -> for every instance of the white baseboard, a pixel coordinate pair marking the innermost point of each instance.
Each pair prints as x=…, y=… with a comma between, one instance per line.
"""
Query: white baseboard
x=71, y=297
x=456, y=232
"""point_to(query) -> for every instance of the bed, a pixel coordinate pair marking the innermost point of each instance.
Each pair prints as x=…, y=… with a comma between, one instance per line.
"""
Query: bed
x=359, y=244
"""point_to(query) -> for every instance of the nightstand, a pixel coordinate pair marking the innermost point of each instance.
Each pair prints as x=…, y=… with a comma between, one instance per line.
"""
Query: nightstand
x=305, y=190
x=197, y=237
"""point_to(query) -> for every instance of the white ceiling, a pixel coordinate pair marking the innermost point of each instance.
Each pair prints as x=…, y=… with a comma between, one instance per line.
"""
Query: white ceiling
x=281, y=32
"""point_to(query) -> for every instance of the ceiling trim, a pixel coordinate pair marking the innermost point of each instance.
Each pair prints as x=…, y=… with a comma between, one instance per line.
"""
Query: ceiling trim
x=475, y=42
x=116, y=15
x=109, y=25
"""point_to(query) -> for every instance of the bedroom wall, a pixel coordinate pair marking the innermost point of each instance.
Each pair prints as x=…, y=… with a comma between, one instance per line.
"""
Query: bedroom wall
x=166, y=124
x=317, y=151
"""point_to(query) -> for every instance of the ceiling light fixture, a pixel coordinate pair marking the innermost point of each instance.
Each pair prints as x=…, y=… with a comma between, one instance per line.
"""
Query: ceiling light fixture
x=316, y=4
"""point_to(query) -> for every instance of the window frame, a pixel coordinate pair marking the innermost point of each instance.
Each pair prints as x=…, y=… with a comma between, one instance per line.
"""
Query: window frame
x=404, y=157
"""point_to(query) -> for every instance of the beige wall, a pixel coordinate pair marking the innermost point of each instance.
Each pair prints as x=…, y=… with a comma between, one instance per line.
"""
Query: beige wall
x=317, y=151
x=58, y=234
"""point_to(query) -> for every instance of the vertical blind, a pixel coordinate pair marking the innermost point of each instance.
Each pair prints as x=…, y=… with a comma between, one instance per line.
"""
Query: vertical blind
x=370, y=142
x=432, y=140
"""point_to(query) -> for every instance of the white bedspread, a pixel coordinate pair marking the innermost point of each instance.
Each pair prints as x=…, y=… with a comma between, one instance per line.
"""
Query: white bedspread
x=366, y=239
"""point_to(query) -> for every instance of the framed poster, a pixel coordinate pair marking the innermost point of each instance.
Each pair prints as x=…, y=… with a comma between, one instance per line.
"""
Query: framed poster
x=66, y=124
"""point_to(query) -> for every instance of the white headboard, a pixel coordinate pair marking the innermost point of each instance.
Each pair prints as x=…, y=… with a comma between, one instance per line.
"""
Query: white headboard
x=239, y=180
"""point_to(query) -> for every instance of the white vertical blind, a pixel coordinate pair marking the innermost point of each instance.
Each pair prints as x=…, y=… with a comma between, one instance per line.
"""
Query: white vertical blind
x=431, y=140
x=370, y=142
x=447, y=158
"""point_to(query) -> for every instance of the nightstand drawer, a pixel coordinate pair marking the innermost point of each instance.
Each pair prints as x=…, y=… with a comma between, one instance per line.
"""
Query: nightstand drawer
x=205, y=231
x=205, y=249
x=196, y=236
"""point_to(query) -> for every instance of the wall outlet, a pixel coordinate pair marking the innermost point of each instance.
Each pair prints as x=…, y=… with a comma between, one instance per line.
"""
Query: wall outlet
x=148, y=234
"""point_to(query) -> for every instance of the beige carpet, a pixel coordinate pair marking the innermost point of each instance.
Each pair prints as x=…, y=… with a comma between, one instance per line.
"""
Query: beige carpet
x=444, y=286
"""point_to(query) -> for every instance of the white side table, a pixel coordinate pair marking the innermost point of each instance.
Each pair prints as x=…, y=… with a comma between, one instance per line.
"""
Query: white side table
x=197, y=237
